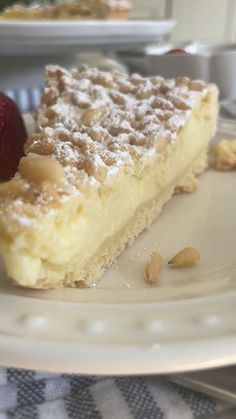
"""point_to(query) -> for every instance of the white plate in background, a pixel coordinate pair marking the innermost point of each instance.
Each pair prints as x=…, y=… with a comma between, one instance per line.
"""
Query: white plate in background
x=124, y=326
x=65, y=37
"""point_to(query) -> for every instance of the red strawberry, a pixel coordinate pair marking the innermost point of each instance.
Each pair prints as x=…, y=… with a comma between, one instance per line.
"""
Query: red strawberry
x=175, y=51
x=12, y=136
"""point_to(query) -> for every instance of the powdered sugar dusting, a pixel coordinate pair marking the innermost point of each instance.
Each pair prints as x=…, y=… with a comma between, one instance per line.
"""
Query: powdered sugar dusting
x=95, y=121
x=97, y=124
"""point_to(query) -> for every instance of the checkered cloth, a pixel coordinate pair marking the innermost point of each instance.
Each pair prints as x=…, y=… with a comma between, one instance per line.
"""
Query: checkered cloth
x=36, y=395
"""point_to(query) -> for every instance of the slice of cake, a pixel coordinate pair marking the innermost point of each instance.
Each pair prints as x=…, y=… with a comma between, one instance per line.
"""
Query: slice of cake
x=92, y=9
x=80, y=9
x=225, y=155
x=108, y=151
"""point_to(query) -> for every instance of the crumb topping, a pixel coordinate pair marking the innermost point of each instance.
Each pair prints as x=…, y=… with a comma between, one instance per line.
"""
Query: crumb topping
x=90, y=119
x=93, y=124
x=225, y=155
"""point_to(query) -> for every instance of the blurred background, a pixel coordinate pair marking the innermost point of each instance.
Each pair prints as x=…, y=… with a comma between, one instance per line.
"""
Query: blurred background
x=195, y=38
x=204, y=20
x=211, y=20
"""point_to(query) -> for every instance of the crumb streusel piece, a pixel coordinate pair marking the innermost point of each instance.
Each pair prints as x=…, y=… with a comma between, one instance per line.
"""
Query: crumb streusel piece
x=225, y=155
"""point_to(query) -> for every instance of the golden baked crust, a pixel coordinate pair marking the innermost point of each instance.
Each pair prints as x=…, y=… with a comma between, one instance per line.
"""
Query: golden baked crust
x=80, y=9
x=108, y=151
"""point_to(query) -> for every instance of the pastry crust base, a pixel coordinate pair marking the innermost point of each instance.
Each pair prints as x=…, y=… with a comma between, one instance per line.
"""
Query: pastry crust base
x=112, y=248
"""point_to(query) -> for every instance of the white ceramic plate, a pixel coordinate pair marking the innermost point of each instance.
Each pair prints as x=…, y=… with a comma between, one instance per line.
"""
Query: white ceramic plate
x=123, y=326
x=60, y=37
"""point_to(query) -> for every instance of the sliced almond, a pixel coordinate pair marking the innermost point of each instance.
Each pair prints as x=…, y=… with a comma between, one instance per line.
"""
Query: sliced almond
x=90, y=116
x=38, y=169
x=153, y=268
x=185, y=258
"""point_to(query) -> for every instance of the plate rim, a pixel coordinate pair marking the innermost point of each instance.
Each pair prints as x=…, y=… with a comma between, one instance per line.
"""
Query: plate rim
x=99, y=23
x=20, y=37
x=27, y=341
